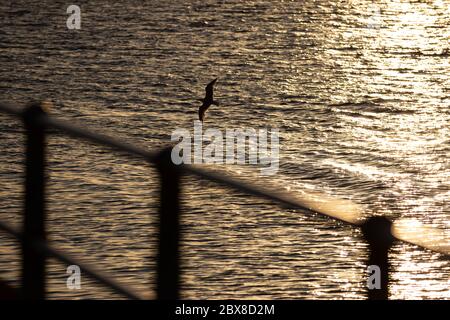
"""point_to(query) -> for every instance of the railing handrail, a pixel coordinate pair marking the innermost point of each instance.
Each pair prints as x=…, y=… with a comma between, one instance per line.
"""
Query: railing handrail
x=43, y=120
x=105, y=140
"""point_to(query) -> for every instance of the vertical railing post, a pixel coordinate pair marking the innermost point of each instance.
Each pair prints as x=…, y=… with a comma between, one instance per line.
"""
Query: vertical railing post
x=168, y=268
x=33, y=262
x=377, y=232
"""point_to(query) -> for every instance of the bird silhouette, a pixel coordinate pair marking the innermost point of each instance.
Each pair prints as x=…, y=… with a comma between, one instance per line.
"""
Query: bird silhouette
x=208, y=100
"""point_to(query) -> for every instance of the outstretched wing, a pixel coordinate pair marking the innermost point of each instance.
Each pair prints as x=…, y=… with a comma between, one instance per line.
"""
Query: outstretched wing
x=209, y=90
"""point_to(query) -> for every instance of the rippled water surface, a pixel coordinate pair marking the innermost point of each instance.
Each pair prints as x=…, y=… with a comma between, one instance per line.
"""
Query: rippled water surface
x=359, y=90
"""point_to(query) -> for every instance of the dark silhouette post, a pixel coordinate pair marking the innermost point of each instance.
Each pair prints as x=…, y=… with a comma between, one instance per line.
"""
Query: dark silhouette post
x=169, y=228
x=33, y=264
x=377, y=232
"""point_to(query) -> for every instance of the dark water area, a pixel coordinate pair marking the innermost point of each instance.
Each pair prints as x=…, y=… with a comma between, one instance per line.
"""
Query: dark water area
x=360, y=91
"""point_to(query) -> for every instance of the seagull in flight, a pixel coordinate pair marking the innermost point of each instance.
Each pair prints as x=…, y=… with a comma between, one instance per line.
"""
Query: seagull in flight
x=207, y=101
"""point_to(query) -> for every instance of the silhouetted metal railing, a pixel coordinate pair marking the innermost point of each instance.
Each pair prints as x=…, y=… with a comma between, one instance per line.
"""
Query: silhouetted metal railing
x=35, y=249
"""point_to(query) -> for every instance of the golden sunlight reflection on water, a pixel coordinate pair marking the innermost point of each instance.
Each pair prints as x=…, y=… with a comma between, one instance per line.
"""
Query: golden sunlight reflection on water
x=358, y=89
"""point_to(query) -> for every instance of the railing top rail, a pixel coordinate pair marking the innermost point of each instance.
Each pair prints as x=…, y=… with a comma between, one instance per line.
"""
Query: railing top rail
x=151, y=156
x=284, y=199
